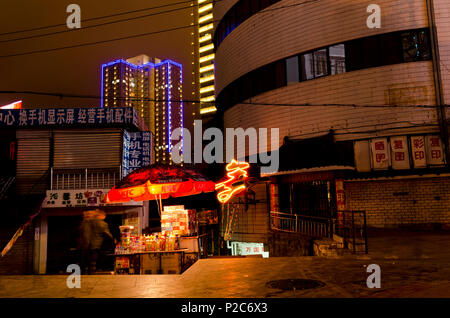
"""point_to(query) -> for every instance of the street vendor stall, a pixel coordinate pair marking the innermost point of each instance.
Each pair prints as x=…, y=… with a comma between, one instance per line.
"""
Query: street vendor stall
x=166, y=251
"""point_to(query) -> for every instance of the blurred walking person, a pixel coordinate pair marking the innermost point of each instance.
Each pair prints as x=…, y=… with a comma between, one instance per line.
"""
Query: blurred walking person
x=93, y=230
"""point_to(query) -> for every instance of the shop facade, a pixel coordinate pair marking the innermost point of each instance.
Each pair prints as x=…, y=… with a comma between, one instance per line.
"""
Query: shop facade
x=66, y=161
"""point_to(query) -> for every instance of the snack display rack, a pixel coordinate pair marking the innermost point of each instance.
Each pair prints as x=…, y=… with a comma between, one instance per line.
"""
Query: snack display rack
x=157, y=253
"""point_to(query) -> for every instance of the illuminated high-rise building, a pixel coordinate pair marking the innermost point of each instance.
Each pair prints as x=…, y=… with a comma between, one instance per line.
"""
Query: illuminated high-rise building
x=168, y=108
x=130, y=84
x=203, y=52
x=154, y=88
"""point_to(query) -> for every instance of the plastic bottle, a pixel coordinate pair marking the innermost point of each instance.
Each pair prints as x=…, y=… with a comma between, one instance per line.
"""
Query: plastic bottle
x=177, y=242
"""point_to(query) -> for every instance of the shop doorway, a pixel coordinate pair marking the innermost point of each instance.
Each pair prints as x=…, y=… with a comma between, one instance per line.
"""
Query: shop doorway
x=315, y=198
x=62, y=248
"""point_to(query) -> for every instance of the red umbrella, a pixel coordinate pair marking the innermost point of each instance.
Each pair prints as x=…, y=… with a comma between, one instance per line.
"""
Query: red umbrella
x=158, y=181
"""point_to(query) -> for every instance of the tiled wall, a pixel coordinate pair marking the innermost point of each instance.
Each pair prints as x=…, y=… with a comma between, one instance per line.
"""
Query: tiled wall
x=411, y=201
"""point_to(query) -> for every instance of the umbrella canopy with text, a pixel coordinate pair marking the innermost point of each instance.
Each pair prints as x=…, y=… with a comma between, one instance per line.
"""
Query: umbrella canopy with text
x=159, y=181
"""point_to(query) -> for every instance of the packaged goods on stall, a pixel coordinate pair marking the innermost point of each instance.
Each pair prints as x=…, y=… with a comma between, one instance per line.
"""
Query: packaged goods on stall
x=175, y=223
x=178, y=220
x=156, y=242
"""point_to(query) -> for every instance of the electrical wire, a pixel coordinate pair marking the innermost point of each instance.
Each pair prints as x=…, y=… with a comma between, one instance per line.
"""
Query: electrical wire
x=138, y=35
x=99, y=18
x=92, y=26
x=63, y=95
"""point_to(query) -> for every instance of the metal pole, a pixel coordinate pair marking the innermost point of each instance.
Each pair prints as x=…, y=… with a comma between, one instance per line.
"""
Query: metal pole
x=51, y=178
x=343, y=228
x=353, y=230
x=86, y=178
x=365, y=233
x=440, y=102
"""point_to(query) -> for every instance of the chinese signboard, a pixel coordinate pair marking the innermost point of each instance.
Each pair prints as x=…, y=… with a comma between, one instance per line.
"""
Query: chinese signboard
x=380, y=153
x=246, y=248
x=340, y=202
x=137, y=151
x=399, y=152
x=23, y=118
x=362, y=155
x=78, y=198
x=435, y=151
x=418, y=151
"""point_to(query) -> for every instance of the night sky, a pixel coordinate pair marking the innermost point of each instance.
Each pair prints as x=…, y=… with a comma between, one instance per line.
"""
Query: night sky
x=77, y=70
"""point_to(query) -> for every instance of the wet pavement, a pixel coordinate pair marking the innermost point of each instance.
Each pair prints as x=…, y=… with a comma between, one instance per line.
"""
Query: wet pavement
x=413, y=264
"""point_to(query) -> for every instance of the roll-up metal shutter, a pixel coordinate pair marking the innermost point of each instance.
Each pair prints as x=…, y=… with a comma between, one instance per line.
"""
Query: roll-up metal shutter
x=87, y=149
x=33, y=154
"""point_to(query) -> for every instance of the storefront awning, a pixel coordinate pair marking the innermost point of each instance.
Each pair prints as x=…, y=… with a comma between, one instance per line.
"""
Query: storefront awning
x=309, y=170
x=319, y=154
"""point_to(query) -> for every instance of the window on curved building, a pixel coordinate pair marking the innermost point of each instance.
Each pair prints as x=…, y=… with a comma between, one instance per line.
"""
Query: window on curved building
x=337, y=59
x=307, y=66
x=385, y=49
x=371, y=52
x=314, y=65
x=240, y=12
x=280, y=74
x=231, y=23
x=254, y=6
x=320, y=63
x=292, y=70
x=353, y=55
x=243, y=11
x=391, y=51
x=416, y=46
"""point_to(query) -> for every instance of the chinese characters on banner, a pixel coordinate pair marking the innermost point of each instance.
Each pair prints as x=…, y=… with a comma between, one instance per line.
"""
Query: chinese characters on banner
x=77, y=198
x=340, y=202
x=418, y=151
x=244, y=248
x=435, y=150
x=380, y=153
x=399, y=152
x=363, y=161
x=67, y=116
x=137, y=151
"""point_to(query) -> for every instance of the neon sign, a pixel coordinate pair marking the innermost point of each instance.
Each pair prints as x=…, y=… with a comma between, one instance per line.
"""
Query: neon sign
x=235, y=184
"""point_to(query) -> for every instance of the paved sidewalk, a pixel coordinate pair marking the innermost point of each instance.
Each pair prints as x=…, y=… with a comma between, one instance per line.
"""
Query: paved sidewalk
x=412, y=265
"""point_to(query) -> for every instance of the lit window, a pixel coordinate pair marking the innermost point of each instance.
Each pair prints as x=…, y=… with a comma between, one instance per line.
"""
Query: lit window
x=206, y=48
x=205, y=38
x=205, y=18
x=207, y=58
x=207, y=68
x=207, y=89
x=205, y=28
x=205, y=8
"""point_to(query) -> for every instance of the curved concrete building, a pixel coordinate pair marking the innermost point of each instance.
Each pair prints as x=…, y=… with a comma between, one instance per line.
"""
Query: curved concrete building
x=374, y=77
